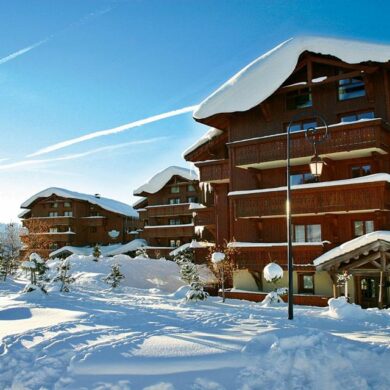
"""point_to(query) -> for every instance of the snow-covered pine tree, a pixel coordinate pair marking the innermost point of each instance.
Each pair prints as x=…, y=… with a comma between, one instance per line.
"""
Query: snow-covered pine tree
x=142, y=252
x=196, y=292
x=115, y=276
x=3, y=265
x=40, y=266
x=189, y=274
x=31, y=267
x=64, y=276
x=96, y=252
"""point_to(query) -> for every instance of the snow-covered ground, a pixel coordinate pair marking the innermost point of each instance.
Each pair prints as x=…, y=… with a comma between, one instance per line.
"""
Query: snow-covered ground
x=148, y=338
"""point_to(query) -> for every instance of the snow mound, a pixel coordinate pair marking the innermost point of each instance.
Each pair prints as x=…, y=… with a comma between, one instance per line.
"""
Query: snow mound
x=307, y=359
x=139, y=273
x=269, y=71
x=340, y=308
x=217, y=257
x=272, y=272
x=158, y=181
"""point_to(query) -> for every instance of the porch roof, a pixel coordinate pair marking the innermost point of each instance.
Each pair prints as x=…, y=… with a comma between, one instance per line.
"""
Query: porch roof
x=357, y=252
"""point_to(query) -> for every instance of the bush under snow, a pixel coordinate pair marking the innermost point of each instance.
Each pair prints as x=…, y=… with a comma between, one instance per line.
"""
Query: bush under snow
x=341, y=309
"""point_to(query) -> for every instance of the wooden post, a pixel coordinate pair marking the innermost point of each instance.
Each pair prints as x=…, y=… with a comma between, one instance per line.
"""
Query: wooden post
x=383, y=269
x=332, y=275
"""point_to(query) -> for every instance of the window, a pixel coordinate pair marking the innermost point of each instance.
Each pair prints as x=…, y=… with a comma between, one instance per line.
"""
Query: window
x=68, y=213
x=299, y=99
x=67, y=204
x=174, y=221
x=361, y=170
x=352, y=117
x=302, y=178
x=53, y=245
x=175, y=190
x=305, y=283
x=174, y=243
x=301, y=125
x=362, y=227
x=191, y=188
x=53, y=214
x=174, y=201
x=54, y=205
x=92, y=229
x=307, y=233
x=351, y=88
x=192, y=199
x=94, y=214
x=53, y=230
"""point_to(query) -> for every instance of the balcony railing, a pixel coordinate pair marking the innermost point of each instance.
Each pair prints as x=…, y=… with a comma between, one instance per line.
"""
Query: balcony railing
x=169, y=210
x=93, y=221
x=50, y=221
x=168, y=231
x=205, y=216
x=270, y=152
x=316, y=200
x=214, y=171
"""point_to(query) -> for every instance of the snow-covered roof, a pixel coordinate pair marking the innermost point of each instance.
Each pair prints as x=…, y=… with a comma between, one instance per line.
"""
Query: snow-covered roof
x=105, y=203
x=24, y=213
x=262, y=77
x=139, y=201
x=208, y=136
x=158, y=181
x=352, y=245
x=238, y=244
x=108, y=250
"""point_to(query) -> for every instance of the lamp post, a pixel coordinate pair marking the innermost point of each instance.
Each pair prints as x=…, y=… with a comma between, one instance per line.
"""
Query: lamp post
x=313, y=135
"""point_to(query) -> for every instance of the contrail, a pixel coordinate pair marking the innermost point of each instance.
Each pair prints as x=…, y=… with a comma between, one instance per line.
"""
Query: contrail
x=80, y=22
x=114, y=130
x=26, y=163
x=22, y=51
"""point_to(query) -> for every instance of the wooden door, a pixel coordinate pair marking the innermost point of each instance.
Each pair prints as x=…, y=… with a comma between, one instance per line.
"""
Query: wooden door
x=368, y=291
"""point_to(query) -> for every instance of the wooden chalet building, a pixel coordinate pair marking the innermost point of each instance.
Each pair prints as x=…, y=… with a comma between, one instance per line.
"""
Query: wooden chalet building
x=59, y=218
x=166, y=209
x=242, y=158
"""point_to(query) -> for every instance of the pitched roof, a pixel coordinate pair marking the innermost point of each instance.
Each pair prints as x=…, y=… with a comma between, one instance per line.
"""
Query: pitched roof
x=105, y=203
x=262, y=77
x=158, y=181
x=208, y=136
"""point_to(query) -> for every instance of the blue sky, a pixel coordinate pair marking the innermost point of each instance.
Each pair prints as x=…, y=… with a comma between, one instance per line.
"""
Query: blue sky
x=103, y=64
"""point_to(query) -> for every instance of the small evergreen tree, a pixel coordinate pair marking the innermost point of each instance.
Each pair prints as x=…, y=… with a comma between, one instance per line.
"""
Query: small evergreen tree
x=3, y=265
x=32, y=266
x=115, y=277
x=96, y=252
x=40, y=266
x=64, y=276
x=189, y=274
x=142, y=252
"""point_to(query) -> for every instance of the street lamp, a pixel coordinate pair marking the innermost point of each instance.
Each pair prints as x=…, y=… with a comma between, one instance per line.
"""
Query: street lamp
x=313, y=135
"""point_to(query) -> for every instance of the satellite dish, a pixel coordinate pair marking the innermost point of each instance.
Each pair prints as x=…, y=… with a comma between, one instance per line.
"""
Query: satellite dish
x=114, y=233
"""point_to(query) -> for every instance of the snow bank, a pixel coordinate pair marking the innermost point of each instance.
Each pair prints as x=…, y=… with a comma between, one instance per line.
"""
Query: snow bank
x=105, y=203
x=158, y=181
x=242, y=91
x=340, y=308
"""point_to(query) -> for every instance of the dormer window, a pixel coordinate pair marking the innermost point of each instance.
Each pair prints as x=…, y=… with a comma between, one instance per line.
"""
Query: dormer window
x=300, y=98
x=351, y=88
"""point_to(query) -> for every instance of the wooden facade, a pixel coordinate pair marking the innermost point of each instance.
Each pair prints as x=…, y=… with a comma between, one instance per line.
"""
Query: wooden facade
x=166, y=215
x=248, y=176
x=63, y=221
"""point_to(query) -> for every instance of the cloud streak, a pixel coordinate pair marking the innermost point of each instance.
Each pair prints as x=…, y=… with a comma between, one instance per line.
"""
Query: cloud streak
x=74, y=156
x=114, y=130
x=85, y=19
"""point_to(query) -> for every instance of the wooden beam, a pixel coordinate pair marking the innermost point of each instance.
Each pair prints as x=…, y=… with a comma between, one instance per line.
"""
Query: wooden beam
x=360, y=262
x=341, y=64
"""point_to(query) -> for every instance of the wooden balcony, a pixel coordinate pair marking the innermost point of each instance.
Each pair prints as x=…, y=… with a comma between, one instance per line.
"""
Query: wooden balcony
x=316, y=200
x=169, y=210
x=214, y=171
x=256, y=258
x=50, y=221
x=205, y=216
x=169, y=231
x=353, y=140
x=93, y=221
x=59, y=236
